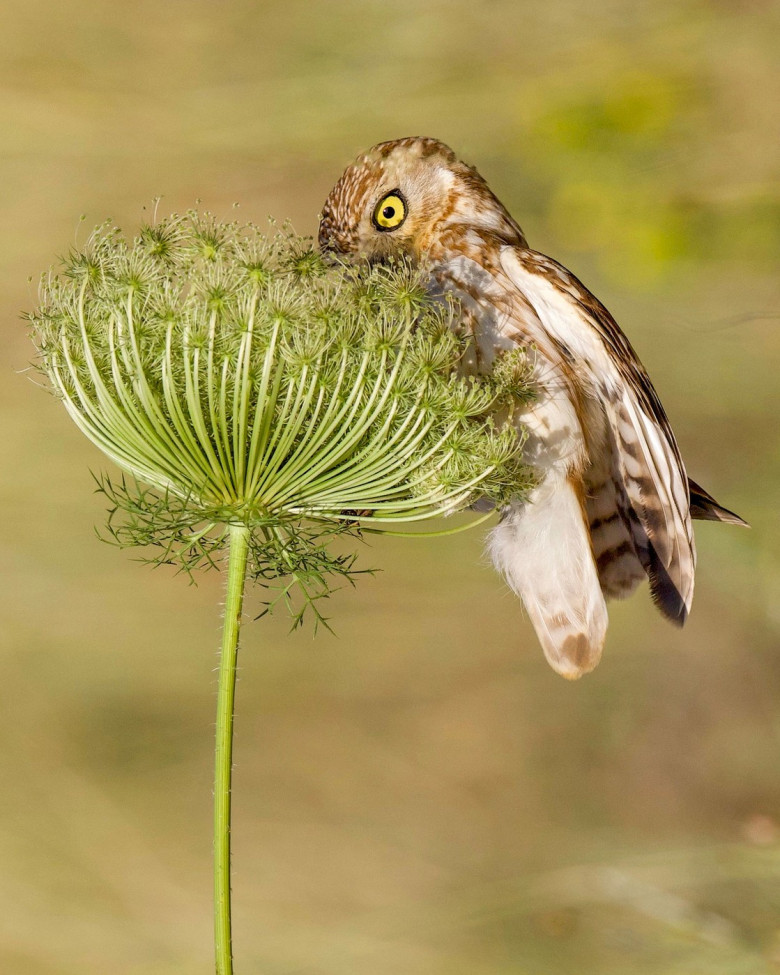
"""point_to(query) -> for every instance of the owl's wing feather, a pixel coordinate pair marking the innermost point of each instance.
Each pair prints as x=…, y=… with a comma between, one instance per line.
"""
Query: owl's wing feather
x=648, y=461
x=656, y=485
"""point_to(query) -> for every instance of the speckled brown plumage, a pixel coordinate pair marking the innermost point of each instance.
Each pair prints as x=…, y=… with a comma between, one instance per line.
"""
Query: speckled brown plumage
x=614, y=504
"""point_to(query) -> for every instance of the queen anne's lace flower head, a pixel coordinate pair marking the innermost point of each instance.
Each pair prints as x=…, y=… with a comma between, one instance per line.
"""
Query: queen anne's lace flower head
x=238, y=380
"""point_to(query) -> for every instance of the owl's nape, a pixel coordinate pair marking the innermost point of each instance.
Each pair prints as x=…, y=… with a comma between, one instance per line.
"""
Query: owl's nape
x=614, y=504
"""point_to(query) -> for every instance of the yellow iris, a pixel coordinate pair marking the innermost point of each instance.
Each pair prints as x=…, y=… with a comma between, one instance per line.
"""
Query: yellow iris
x=390, y=212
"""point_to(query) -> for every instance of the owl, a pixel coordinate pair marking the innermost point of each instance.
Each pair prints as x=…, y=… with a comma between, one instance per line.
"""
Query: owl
x=613, y=503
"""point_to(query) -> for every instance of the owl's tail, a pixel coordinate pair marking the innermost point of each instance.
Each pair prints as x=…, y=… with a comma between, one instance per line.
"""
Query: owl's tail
x=543, y=549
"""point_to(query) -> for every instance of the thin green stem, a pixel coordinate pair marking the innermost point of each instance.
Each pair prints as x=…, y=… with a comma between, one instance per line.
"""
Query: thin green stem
x=223, y=765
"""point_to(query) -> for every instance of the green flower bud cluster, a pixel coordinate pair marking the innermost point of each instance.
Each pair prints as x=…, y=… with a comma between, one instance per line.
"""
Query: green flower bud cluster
x=237, y=379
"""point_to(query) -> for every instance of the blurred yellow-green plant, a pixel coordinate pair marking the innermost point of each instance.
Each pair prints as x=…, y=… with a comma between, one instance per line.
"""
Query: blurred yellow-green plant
x=260, y=402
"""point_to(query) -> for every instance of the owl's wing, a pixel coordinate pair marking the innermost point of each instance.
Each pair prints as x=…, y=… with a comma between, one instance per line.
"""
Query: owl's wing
x=648, y=461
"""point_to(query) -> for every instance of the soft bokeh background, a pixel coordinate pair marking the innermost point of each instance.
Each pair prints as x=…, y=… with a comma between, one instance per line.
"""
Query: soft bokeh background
x=420, y=794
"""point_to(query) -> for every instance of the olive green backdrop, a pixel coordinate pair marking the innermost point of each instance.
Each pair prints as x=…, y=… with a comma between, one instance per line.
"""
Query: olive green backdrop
x=419, y=794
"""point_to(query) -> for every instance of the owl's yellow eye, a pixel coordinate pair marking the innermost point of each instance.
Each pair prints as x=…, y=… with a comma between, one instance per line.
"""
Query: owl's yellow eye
x=390, y=212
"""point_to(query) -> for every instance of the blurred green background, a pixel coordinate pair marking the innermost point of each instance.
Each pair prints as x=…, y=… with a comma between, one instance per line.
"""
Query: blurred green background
x=420, y=794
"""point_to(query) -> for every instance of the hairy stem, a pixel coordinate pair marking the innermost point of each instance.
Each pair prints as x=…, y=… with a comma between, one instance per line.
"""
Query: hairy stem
x=223, y=765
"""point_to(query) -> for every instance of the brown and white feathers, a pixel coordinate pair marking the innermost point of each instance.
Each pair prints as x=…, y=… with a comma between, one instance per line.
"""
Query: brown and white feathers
x=614, y=504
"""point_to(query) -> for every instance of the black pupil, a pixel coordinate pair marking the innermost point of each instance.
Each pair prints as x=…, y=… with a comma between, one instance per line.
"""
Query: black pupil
x=388, y=212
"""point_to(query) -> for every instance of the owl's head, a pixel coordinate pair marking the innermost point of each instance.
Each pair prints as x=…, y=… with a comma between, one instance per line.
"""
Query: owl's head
x=403, y=197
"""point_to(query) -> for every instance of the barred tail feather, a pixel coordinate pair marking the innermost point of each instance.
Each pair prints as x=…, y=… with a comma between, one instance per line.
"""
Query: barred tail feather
x=705, y=508
x=543, y=549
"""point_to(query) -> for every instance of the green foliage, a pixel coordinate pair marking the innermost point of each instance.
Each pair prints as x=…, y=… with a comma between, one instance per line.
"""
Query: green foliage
x=237, y=379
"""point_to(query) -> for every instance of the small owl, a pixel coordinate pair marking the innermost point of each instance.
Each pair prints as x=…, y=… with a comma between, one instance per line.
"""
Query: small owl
x=614, y=504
